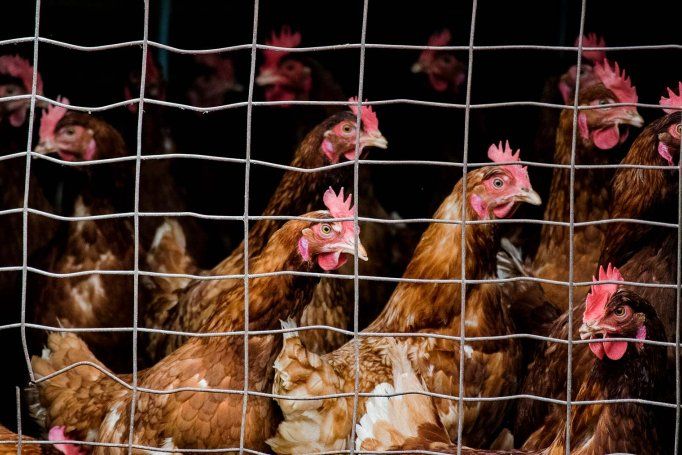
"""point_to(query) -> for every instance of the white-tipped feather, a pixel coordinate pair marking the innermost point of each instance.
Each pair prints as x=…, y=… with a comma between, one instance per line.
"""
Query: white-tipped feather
x=289, y=324
x=388, y=421
x=509, y=260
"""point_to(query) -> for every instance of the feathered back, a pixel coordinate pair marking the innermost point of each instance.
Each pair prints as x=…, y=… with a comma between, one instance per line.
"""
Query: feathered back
x=390, y=421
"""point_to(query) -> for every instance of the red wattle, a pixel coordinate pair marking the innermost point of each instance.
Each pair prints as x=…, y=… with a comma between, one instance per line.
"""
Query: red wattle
x=331, y=261
x=615, y=349
x=606, y=138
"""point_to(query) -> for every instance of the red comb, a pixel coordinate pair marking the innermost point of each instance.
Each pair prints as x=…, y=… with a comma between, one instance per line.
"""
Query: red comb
x=498, y=154
x=285, y=39
x=441, y=38
x=368, y=116
x=338, y=207
x=592, y=40
x=599, y=294
x=616, y=80
x=18, y=67
x=503, y=155
x=51, y=116
x=674, y=100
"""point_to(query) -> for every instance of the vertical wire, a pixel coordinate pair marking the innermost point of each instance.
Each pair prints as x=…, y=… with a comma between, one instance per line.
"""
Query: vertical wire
x=463, y=204
x=247, y=176
x=571, y=228
x=356, y=201
x=27, y=190
x=19, y=429
x=136, y=223
x=677, y=305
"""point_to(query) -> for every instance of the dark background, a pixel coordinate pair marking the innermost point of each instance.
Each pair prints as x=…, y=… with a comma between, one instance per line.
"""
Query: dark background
x=414, y=132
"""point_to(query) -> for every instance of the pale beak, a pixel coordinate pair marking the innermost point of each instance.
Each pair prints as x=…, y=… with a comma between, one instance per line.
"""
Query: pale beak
x=590, y=328
x=268, y=77
x=45, y=148
x=529, y=196
x=349, y=248
x=417, y=68
x=374, y=139
x=628, y=117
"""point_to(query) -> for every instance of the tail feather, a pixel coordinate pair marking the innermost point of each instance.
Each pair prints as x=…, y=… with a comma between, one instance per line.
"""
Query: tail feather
x=306, y=428
x=389, y=421
x=168, y=254
x=59, y=399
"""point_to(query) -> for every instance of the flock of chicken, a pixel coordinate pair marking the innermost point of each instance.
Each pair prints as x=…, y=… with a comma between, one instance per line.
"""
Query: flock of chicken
x=187, y=390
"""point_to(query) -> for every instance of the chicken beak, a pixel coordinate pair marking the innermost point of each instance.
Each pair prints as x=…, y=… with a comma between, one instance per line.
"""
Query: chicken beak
x=529, y=196
x=268, y=77
x=45, y=147
x=417, y=68
x=374, y=139
x=628, y=116
x=348, y=247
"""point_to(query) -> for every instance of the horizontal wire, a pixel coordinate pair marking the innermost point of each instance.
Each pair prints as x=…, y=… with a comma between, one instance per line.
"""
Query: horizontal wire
x=126, y=272
x=330, y=396
x=333, y=47
x=286, y=167
x=232, y=449
x=320, y=220
x=349, y=333
x=240, y=104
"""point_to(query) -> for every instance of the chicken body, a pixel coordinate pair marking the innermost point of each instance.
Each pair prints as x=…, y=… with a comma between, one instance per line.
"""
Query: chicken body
x=409, y=422
x=181, y=305
x=491, y=367
x=92, y=300
x=591, y=203
x=98, y=407
x=643, y=256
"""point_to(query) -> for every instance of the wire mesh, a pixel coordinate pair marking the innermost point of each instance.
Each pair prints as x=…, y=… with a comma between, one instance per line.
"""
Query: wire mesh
x=246, y=218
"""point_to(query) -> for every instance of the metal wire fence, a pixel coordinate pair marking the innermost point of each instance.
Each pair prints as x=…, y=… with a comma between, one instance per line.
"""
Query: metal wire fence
x=246, y=218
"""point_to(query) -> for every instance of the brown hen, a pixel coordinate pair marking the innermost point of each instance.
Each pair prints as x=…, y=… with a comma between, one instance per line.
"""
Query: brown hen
x=89, y=404
x=430, y=308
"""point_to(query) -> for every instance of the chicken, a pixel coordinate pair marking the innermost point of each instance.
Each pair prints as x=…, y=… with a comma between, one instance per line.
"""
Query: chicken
x=619, y=370
x=645, y=254
x=600, y=131
x=89, y=300
x=431, y=308
x=290, y=76
x=293, y=76
x=445, y=72
x=197, y=419
x=561, y=89
x=183, y=306
x=16, y=78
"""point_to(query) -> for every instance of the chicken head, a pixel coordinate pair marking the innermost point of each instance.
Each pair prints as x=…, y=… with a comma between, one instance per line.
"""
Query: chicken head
x=502, y=188
x=330, y=243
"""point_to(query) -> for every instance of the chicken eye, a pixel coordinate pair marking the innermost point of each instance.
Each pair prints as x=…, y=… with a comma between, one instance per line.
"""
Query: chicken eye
x=619, y=312
x=346, y=128
x=678, y=128
x=69, y=131
x=326, y=229
x=603, y=102
x=498, y=182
